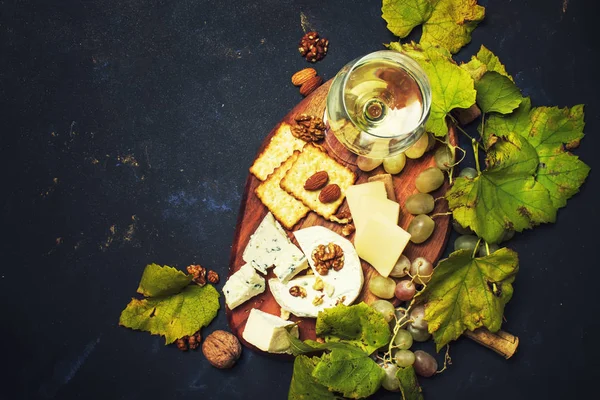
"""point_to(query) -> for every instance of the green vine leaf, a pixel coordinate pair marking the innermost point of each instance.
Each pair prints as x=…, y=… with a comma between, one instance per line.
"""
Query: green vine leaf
x=162, y=281
x=483, y=62
x=446, y=23
x=497, y=93
x=303, y=385
x=409, y=385
x=469, y=293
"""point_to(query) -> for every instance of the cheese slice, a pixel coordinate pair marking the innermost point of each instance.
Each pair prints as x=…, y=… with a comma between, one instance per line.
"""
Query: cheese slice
x=242, y=286
x=268, y=332
x=354, y=194
x=380, y=242
x=368, y=204
x=270, y=246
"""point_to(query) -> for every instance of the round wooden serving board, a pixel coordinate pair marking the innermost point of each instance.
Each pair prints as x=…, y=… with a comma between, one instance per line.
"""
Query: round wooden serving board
x=252, y=212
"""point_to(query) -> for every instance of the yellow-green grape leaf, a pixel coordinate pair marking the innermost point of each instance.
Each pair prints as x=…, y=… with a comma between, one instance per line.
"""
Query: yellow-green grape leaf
x=349, y=372
x=402, y=16
x=451, y=23
x=505, y=195
x=469, y=293
x=303, y=385
x=162, y=281
x=547, y=130
x=485, y=61
x=173, y=316
x=497, y=93
x=409, y=385
x=358, y=325
x=446, y=23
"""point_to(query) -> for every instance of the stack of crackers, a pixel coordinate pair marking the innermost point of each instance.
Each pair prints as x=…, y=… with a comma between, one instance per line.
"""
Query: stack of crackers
x=284, y=166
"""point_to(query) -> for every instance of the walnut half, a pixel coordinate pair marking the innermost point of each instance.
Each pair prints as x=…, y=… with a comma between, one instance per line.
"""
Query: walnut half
x=328, y=256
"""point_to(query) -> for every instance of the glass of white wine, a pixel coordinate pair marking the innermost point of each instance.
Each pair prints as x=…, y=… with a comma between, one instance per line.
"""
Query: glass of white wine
x=378, y=104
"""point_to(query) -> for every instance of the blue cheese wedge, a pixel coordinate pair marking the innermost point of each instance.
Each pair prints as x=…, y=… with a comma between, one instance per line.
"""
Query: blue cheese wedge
x=269, y=246
x=242, y=286
x=341, y=286
x=268, y=332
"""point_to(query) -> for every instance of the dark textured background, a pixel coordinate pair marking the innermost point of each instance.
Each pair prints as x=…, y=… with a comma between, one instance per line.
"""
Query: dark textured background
x=127, y=131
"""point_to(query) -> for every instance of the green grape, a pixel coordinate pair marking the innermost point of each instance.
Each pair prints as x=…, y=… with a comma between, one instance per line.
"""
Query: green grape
x=385, y=308
x=390, y=381
x=403, y=339
x=382, y=287
x=417, y=315
x=420, y=228
x=444, y=159
x=419, y=148
x=508, y=234
x=421, y=270
x=419, y=203
x=401, y=268
x=394, y=165
x=404, y=358
x=483, y=250
x=368, y=164
x=418, y=335
x=460, y=229
x=429, y=180
x=466, y=242
x=431, y=141
x=468, y=172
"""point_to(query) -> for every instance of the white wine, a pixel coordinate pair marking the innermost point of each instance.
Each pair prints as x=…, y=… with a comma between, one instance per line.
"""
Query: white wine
x=377, y=105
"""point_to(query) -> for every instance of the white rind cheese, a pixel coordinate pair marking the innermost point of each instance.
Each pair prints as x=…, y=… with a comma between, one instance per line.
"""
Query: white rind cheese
x=339, y=286
x=242, y=286
x=268, y=332
x=269, y=246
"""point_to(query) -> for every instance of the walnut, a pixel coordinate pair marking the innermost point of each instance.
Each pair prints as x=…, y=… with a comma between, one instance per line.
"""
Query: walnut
x=327, y=257
x=213, y=277
x=222, y=349
x=319, y=284
x=298, y=291
x=198, y=273
x=318, y=300
x=309, y=128
x=312, y=47
x=182, y=343
x=340, y=300
x=189, y=342
x=348, y=230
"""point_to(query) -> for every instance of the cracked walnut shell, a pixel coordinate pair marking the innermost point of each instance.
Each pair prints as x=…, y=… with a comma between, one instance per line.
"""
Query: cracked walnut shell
x=327, y=257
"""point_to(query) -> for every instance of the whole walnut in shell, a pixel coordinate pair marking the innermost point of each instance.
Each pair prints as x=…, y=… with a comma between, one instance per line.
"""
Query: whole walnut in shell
x=222, y=349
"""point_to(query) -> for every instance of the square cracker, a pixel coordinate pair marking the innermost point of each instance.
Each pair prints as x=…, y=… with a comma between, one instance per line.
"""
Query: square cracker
x=284, y=207
x=310, y=161
x=281, y=146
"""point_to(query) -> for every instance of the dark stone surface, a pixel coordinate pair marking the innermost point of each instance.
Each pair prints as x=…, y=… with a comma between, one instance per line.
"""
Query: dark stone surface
x=127, y=131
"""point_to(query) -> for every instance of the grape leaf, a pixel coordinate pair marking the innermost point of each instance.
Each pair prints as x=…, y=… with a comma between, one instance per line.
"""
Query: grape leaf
x=529, y=175
x=350, y=372
x=547, y=130
x=358, y=325
x=446, y=23
x=451, y=86
x=409, y=385
x=497, y=93
x=485, y=61
x=173, y=316
x=298, y=347
x=162, y=281
x=403, y=16
x=303, y=385
x=468, y=293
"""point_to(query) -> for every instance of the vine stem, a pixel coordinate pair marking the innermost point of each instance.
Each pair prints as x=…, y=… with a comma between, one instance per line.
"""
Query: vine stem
x=476, y=248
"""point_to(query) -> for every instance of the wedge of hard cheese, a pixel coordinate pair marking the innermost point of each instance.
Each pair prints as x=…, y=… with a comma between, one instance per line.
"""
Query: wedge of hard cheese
x=380, y=242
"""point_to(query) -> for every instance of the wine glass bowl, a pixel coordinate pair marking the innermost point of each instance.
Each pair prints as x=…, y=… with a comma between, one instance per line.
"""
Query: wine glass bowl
x=378, y=104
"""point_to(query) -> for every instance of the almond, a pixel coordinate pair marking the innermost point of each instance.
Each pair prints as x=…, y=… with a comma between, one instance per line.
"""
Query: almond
x=310, y=85
x=317, y=181
x=330, y=193
x=303, y=75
